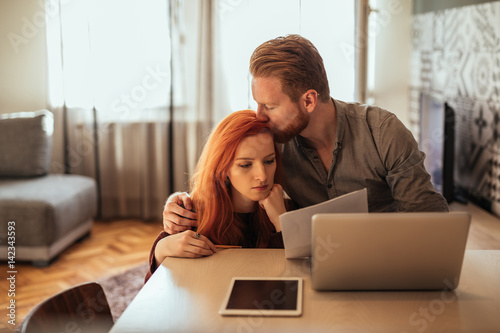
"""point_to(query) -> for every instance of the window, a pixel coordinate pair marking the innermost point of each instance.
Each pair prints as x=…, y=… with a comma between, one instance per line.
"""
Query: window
x=116, y=53
x=115, y=56
x=245, y=24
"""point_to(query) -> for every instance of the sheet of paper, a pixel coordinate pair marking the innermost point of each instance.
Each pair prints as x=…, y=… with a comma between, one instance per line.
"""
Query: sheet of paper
x=296, y=225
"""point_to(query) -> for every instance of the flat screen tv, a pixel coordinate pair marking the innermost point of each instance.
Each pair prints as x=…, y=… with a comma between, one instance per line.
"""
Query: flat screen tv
x=437, y=141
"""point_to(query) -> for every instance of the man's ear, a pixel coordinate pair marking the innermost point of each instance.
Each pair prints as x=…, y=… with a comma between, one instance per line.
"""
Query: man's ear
x=310, y=99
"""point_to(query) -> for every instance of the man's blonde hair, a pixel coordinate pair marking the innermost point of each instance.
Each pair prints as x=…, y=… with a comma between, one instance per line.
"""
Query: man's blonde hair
x=295, y=62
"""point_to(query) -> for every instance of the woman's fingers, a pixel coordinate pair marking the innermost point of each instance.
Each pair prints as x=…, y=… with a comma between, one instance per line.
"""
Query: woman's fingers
x=207, y=243
x=198, y=245
x=203, y=242
x=190, y=244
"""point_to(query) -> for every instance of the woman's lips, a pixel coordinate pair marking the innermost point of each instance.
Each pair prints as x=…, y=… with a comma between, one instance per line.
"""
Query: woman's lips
x=260, y=188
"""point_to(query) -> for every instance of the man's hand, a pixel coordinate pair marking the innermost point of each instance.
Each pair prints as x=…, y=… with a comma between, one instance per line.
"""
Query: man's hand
x=274, y=205
x=176, y=218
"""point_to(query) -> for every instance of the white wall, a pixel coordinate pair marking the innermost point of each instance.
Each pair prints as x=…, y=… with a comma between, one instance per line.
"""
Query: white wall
x=23, y=56
x=390, y=84
x=23, y=63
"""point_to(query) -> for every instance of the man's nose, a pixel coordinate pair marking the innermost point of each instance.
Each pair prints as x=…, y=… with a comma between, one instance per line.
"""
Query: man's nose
x=261, y=114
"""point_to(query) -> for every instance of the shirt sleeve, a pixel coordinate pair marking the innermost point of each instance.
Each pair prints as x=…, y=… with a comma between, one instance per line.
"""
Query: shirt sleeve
x=410, y=183
x=152, y=261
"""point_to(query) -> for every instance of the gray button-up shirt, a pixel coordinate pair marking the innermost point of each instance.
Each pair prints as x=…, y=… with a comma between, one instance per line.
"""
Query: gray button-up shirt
x=373, y=150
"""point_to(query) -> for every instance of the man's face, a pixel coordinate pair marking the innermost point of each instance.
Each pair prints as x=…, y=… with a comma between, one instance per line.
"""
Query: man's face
x=285, y=117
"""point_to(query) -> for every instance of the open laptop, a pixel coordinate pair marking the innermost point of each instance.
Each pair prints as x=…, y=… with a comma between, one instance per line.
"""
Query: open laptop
x=388, y=251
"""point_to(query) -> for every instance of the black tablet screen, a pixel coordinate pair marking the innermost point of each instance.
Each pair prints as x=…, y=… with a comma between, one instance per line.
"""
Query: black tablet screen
x=264, y=295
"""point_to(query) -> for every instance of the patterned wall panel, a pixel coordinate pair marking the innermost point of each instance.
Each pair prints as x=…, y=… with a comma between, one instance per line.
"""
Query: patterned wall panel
x=456, y=56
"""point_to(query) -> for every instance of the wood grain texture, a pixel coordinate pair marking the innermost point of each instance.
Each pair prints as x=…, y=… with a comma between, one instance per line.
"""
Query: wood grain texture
x=484, y=232
x=184, y=295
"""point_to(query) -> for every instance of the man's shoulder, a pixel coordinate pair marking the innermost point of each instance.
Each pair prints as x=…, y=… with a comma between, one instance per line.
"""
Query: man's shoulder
x=372, y=114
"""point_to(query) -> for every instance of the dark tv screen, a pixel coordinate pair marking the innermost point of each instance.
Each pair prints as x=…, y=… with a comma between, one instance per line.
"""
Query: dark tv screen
x=437, y=141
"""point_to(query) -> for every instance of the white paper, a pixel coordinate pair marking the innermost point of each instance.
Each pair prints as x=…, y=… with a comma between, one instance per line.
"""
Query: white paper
x=296, y=225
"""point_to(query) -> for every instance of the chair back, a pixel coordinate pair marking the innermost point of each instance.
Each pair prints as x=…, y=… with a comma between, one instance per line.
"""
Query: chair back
x=83, y=308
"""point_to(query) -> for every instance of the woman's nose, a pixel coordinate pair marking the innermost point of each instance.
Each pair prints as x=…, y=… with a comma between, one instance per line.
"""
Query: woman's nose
x=260, y=172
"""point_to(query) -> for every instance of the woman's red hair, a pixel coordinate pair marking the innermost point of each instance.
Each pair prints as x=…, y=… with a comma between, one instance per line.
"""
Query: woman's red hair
x=210, y=186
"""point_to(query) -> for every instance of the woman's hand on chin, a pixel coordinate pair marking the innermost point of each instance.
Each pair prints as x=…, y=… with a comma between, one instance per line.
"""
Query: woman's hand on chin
x=274, y=205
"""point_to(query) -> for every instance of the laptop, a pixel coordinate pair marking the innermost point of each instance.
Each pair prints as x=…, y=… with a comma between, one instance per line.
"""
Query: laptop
x=388, y=251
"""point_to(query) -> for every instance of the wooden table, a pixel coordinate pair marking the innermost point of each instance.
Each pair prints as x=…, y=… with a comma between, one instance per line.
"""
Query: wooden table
x=184, y=295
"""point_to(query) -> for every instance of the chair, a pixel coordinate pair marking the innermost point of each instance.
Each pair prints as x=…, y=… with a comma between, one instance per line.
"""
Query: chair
x=83, y=308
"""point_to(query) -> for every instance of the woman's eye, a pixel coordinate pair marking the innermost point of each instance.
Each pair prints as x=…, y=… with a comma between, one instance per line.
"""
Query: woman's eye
x=270, y=161
x=245, y=165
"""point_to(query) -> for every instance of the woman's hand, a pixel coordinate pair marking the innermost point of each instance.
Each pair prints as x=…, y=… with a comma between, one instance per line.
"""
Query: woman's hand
x=274, y=205
x=186, y=244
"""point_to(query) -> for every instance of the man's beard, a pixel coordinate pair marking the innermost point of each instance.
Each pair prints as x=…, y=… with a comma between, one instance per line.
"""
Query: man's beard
x=293, y=129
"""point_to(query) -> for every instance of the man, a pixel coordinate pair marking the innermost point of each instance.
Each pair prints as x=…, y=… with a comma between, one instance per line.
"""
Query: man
x=329, y=147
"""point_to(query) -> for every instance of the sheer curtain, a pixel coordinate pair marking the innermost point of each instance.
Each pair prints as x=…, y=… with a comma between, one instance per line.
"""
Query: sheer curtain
x=198, y=82
x=119, y=76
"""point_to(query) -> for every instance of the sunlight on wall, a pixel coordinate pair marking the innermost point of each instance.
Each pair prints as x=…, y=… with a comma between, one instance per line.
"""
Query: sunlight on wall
x=246, y=24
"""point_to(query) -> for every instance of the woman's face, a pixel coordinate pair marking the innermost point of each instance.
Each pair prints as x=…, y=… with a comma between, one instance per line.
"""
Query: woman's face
x=252, y=171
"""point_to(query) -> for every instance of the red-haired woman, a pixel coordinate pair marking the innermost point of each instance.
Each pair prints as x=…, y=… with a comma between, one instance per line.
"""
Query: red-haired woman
x=235, y=193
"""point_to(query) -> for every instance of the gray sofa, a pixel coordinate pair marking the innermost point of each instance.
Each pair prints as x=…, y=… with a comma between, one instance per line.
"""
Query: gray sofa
x=49, y=212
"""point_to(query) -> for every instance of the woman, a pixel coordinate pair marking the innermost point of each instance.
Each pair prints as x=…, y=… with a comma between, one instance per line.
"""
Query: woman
x=235, y=193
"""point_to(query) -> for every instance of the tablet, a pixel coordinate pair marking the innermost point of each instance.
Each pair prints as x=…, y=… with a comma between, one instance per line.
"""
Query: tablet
x=251, y=296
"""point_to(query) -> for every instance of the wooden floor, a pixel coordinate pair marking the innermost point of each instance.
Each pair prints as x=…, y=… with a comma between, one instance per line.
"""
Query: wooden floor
x=112, y=247
x=118, y=245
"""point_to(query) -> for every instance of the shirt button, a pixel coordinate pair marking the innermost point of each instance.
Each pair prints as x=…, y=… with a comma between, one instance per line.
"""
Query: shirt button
x=330, y=185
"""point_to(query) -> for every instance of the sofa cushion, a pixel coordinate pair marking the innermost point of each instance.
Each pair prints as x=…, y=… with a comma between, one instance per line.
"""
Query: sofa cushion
x=25, y=143
x=45, y=208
